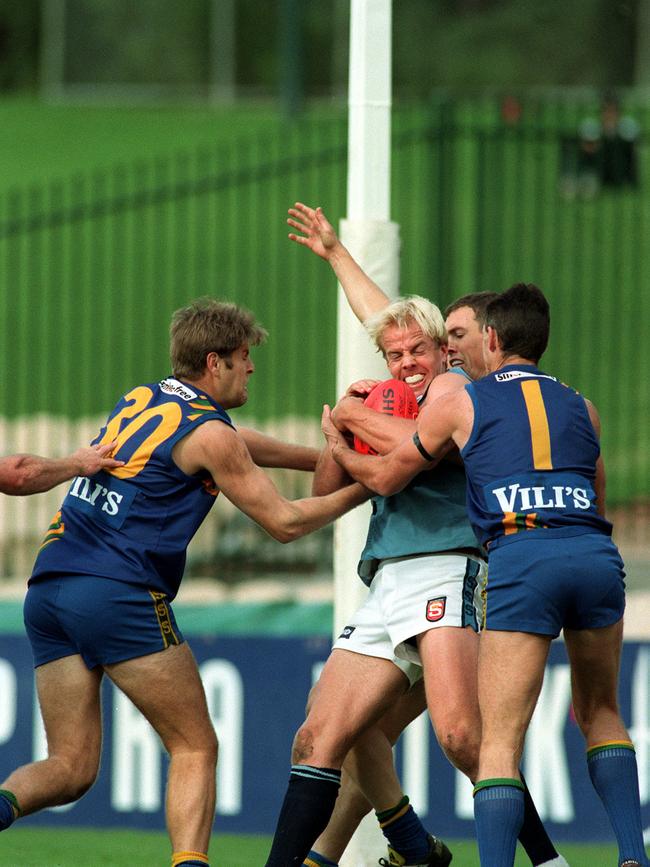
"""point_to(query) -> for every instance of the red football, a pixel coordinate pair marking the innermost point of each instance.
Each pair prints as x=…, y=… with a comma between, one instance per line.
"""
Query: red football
x=392, y=397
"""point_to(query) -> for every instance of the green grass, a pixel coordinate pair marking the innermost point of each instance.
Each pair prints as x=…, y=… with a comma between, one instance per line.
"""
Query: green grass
x=43, y=847
x=42, y=142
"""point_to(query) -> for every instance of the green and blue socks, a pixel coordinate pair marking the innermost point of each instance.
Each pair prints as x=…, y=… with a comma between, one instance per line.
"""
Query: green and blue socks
x=315, y=859
x=404, y=831
x=306, y=810
x=499, y=815
x=190, y=858
x=613, y=771
x=9, y=809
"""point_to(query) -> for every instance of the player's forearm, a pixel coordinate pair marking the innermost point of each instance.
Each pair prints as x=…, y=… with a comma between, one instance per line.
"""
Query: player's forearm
x=328, y=475
x=304, y=516
x=373, y=472
x=383, y=433
x=268, y=451
x=21, y=475
x=363, y=294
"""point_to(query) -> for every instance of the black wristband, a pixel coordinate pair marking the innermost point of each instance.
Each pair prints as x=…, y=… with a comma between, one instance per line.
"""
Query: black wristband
x=418, y=445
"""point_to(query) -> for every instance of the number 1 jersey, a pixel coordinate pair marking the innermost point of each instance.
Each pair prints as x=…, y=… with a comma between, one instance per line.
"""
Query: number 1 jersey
x=530, y=458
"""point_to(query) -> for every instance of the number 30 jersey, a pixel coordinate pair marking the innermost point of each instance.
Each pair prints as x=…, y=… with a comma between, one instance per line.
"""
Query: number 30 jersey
x=134, y=523
x=530, y=458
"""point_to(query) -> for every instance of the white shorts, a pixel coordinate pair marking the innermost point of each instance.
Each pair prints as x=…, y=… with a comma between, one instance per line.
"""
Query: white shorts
x=410, y=595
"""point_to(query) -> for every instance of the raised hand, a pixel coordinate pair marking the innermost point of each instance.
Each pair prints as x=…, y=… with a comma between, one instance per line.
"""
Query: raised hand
x=316, y=231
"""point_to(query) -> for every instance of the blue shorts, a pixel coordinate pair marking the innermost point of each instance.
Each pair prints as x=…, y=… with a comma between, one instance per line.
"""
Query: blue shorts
x=543, y=585
x=103, y=620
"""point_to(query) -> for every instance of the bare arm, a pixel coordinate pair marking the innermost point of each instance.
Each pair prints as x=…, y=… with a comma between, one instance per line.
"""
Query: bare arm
x=382, y=432
x=385, y=474
x=268, y=451
x=363, y=294
x=328, y=476
x=218, y=449
x=449, y=417
x=385, y=432
x=31, y=474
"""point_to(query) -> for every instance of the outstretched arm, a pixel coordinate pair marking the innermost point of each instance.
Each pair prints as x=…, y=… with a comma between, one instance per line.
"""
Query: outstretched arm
x=31, y=474
x=268, y=451
x=217, y=448
x=316, y=233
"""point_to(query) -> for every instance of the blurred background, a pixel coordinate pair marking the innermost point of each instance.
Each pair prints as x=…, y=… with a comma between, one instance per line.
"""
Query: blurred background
x=149, y=153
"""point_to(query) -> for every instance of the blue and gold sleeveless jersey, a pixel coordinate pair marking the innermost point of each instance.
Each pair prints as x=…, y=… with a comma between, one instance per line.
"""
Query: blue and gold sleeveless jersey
x=530, y=458
x=428, y=516
x=133, y=523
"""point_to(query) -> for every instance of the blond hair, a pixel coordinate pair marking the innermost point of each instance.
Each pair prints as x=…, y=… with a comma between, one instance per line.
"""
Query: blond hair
x=403, y=311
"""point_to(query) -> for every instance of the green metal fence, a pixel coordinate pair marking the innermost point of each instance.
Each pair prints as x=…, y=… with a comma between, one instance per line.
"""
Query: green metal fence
x=91, y=269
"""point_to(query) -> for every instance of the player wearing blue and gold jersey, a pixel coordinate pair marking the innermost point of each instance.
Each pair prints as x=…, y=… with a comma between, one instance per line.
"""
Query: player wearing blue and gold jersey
x=536, y=485
x=532, y=460
x=113, y=558
x=134, y=523
x=418, y=622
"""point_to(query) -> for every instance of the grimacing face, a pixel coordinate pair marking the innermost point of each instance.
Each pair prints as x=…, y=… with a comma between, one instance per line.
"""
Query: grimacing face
x=412, y=356
x=465, y=342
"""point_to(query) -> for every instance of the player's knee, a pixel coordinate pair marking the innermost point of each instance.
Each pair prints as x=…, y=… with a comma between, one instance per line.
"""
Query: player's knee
x=460, y=743
x=208, y=747
x=303, y=745
x=593, y=712
x=313, y=746
x=79, y=788
x=76, y=774
x=213, y=750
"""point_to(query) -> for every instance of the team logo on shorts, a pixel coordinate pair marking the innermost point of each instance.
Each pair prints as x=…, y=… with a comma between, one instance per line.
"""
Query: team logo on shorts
x=436, y=608
x=347, y=631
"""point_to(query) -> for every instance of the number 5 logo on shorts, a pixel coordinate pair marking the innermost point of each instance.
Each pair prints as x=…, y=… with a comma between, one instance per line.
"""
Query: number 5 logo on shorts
x=436, y=608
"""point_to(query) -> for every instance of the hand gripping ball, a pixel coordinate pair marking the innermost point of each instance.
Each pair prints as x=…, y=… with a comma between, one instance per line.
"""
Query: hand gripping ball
x=392, y=397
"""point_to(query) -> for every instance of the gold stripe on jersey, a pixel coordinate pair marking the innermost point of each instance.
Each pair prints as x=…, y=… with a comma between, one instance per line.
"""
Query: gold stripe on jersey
x=168, y=416
x=531, y=521
x=169, y=637
x=516, y=522
x=54, y=531
x=539, y=431
x=203, y=407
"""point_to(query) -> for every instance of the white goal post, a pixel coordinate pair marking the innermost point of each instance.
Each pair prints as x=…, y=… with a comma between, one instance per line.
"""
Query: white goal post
x=374, y=241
